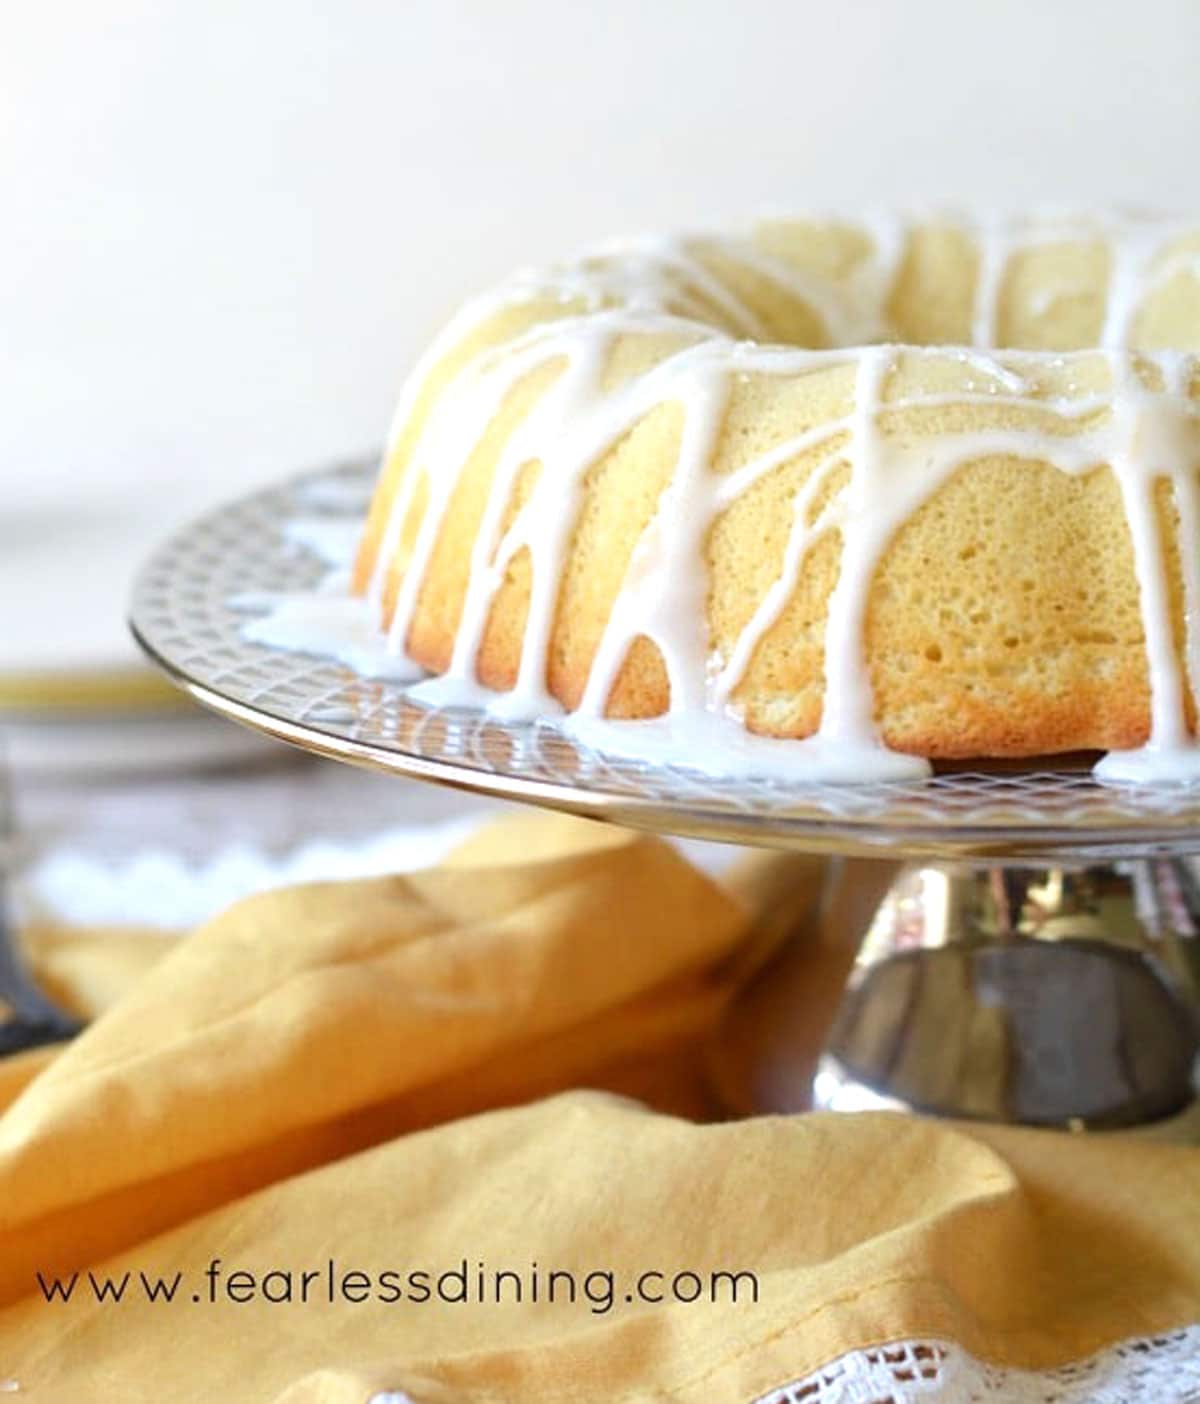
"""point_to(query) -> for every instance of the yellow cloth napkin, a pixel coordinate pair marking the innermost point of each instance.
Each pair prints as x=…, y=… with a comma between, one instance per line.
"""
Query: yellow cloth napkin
x=300, y=1088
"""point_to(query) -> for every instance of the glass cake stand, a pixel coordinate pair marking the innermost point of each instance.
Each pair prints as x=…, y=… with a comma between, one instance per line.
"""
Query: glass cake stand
x=1030, y=938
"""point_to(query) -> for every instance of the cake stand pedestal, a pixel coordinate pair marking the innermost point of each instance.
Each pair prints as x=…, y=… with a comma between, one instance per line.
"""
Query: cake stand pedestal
x=1030, y=939
x=1052, y=994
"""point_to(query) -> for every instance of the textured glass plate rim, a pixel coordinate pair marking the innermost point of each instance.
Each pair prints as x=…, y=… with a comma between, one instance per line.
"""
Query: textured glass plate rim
x=181, y=617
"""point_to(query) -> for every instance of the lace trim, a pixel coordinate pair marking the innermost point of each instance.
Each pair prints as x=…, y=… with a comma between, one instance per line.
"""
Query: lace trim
x=1151, y=1370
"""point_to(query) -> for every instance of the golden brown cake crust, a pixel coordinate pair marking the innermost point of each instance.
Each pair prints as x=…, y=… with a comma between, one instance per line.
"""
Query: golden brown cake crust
x=1004, y=615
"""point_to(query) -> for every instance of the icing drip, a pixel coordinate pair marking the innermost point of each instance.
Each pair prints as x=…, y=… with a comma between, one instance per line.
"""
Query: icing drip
x=995, y=249
x=1158, y=437
x=331, y=539
x=663, y=595
x=1139, y=265
x=848, y=717
x=338, y=626
x=328, y=621
x=664, y=286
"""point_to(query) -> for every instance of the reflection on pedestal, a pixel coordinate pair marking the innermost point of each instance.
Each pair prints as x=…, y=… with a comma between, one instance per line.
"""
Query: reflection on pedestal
x=1041, y=996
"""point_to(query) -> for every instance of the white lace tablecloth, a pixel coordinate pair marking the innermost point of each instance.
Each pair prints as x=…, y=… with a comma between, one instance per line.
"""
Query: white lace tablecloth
x=1149, y=1370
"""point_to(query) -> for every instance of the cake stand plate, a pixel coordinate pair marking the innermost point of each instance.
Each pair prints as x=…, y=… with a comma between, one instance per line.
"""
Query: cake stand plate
x=1022, y=966
x=183, y=618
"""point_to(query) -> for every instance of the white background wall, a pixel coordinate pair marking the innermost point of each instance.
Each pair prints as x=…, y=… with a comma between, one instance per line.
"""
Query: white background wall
x=228, y=225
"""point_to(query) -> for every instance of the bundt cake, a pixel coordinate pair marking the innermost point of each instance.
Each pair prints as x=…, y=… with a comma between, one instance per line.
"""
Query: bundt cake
x=895, y=490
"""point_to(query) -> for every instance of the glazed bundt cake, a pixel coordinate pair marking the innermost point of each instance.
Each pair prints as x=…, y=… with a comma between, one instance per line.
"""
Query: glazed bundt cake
x=901, y=488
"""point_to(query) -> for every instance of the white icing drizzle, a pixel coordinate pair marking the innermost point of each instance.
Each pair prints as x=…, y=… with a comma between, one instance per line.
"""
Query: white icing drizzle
x=1136, y=244
x=327, y=621
x=339, y=626
x=1131, y=252
x=331, y=539
x=664, y=286
x=663, y=595
x=1158, y=437
x=995, y=247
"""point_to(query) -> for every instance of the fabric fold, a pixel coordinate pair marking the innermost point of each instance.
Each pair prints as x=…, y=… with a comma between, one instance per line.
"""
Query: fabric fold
x=353, y=1081
x=304, y=1020
x=1024, y=1247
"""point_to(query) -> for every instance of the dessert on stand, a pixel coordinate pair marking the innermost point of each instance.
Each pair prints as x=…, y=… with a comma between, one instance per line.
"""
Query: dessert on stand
x=1033, y=953
x=877, y=538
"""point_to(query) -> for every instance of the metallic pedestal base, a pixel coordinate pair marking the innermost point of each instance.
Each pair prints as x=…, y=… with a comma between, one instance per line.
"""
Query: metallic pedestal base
x=1065, y=997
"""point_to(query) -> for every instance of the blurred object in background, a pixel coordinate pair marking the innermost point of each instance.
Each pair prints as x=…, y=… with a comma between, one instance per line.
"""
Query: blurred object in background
x=75, y=745
x=106, y=869
x=168, y=852
x=76, y=697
